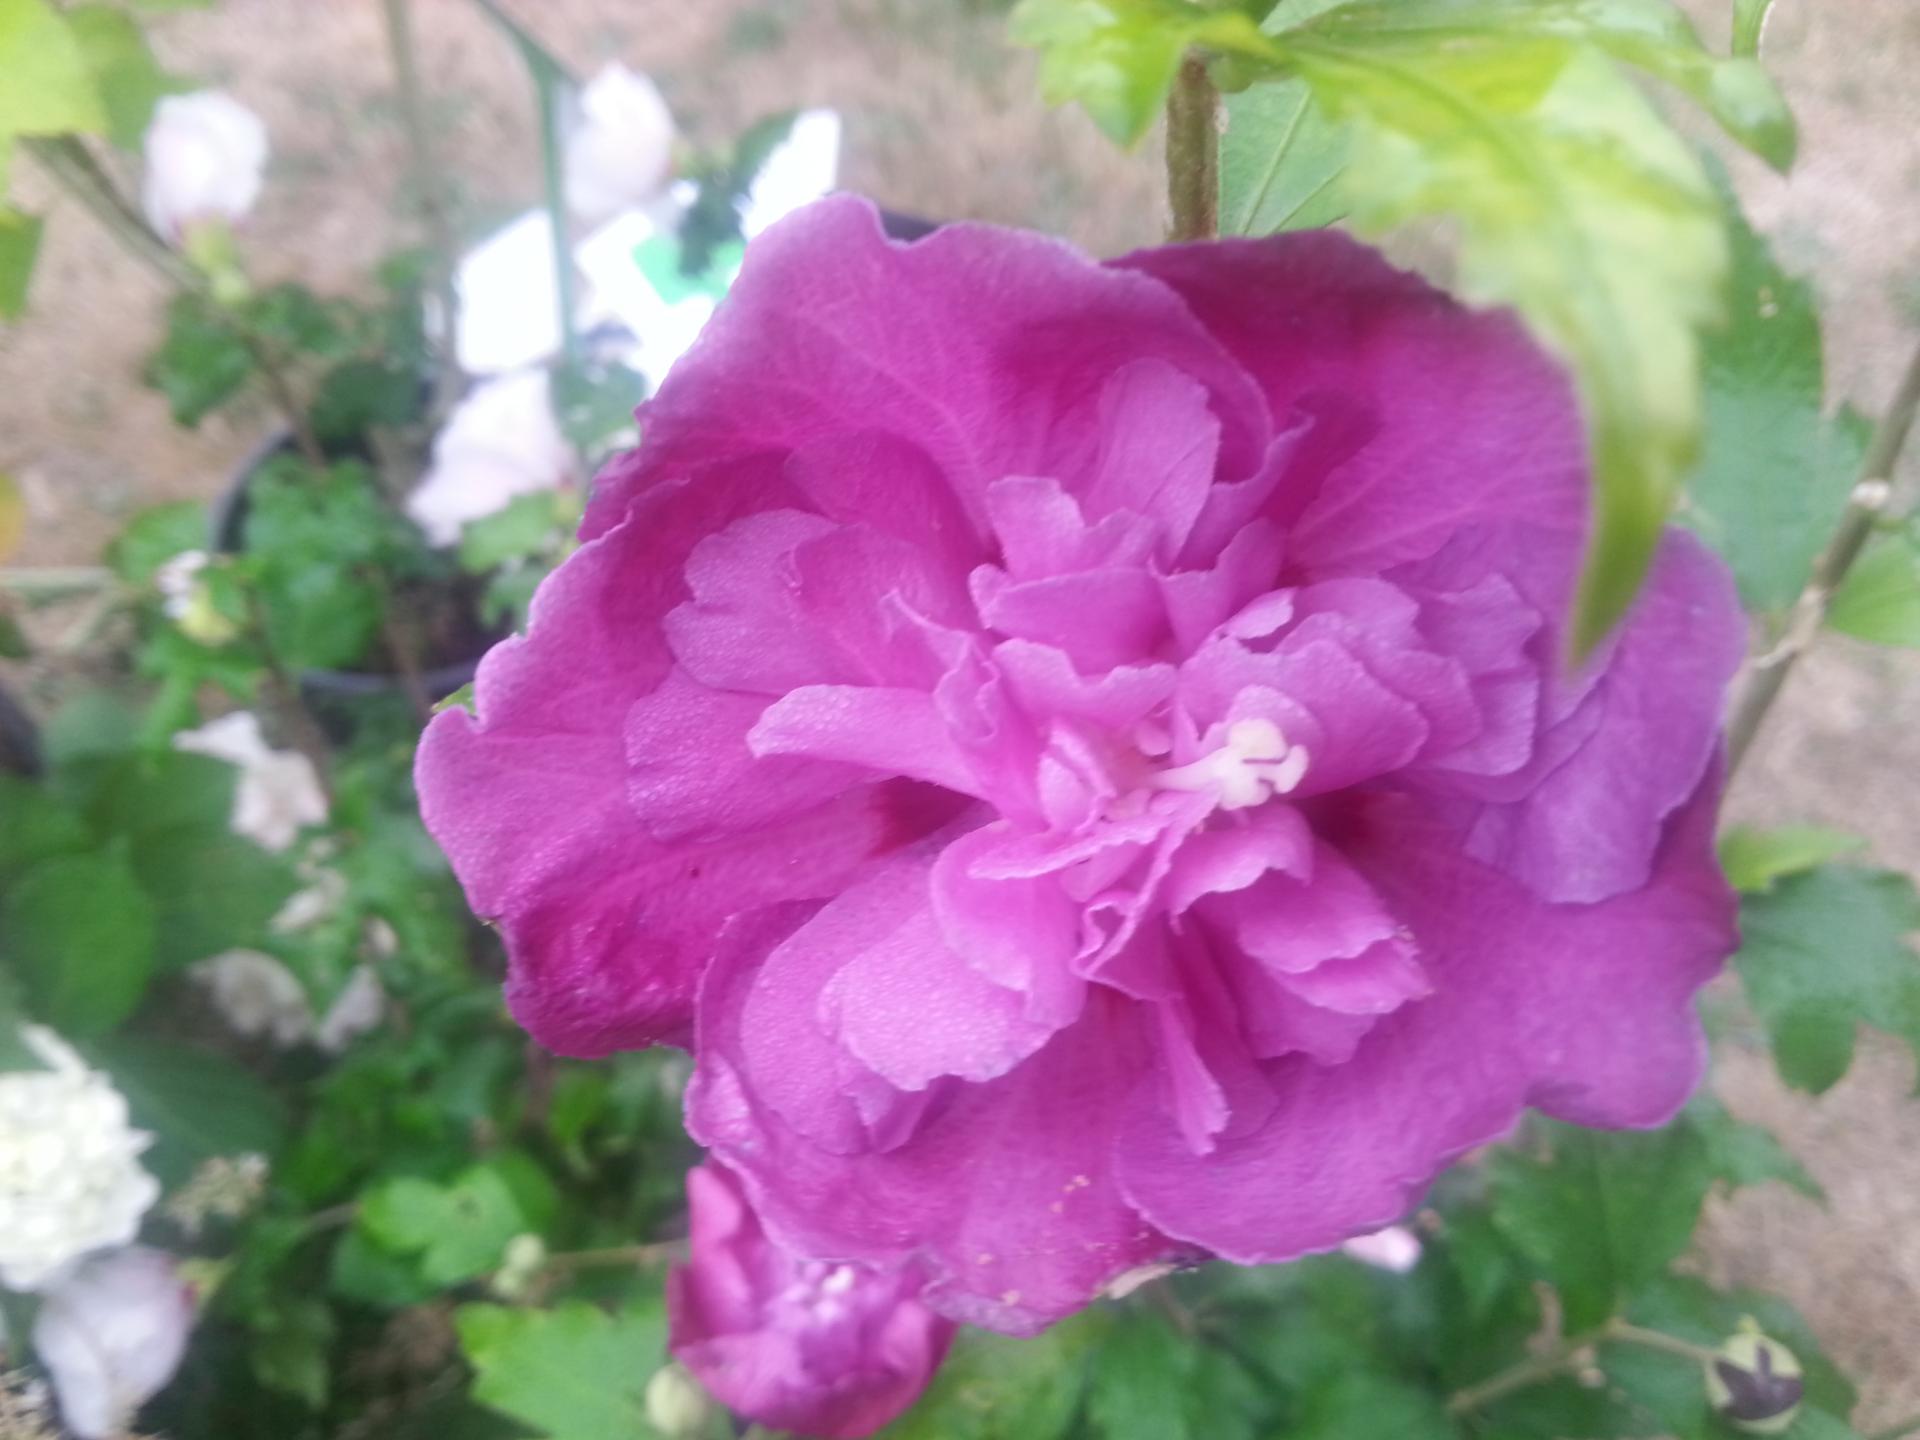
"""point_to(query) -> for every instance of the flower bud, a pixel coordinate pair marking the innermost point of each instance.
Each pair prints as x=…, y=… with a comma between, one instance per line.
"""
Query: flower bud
x=111, y=1335
x=524, y=1258
x=204, y=155
x=676, y=1405
x=1754, y=1382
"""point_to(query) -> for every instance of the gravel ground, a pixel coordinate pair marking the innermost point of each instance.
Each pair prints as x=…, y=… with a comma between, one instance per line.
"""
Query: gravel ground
x=942, y=120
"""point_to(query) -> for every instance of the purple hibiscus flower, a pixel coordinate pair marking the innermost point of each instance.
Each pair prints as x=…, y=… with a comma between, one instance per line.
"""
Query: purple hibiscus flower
x=818, y=1348
x=1084, y=753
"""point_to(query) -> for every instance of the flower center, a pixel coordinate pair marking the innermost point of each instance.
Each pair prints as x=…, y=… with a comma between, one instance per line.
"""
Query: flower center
x=1254, y=765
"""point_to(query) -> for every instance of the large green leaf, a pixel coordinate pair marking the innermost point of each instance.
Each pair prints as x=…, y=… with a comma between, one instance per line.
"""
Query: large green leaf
x=1749, y=19
x=79, y=932
x=19, y=248
x=1117, y=58
x=1775, y=470
x=129, y=81
x=1151, y=1381
x=1754, y=859
x=1602, y=1214
x=1824, y=952
x=1358, y=1405
x=572, y=1373
x=201, y=362
x=35, y=825
x=197, y=1104
x=45, y=86
x=1573, y=202
x=1279, y=161
x=456, y=1231
x=155, y=536
x=1880, y=598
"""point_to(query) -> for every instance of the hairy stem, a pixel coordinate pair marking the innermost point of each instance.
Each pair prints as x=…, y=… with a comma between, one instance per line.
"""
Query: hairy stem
x=1870, y=496
x=1193, y=153
x=435, y=207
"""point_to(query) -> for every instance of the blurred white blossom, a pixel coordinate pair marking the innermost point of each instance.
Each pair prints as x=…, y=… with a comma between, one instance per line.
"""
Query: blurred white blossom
x=798, y=171
x=257, y=995
x=226, y=1187
x=502, y=442
x=187, y=599
x=1395, y=1248
x=278, y=792
x=110, y=1335
x=313, y=902
x=619, y=151
x=70, y=1175
x=358, y=1008
x=204, y=156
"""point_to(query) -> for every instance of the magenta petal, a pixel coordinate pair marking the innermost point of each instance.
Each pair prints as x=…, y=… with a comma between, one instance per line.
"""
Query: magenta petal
x=892, y=732
x=1159, y=441
x=1019, y=931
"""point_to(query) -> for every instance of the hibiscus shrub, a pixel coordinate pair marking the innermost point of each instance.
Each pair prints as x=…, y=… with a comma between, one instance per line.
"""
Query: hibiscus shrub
x=1066, y=850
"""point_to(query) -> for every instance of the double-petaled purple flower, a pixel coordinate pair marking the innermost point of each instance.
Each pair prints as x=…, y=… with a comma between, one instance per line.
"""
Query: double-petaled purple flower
x=1083, y=754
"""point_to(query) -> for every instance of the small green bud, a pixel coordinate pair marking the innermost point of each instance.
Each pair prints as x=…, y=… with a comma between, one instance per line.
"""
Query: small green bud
x=525, y=1257
x=1754, y=1382
x=676, y=1405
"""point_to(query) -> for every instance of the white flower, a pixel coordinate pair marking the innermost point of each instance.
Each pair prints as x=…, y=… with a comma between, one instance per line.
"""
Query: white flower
x=278, y=792
x=204, y=156
x=314, y=902
x=501, y=443
x=177, y=580
x=70, y=1176
x=111, y=1335
x=358, y=1008
x=1395, y=1248
x=257, y=995
x=620, y=150
x=509, y=314
x=801, y=169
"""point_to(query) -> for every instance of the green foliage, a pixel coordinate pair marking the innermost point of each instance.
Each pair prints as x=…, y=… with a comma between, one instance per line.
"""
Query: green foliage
x=155, y=536
x=1880, y=598
x=994, y=1388
x=1740, y=1154
x=199, y=1105
x=1775, y=470
x=79, y=932
x=1754, y=859
x=19, y=248
x=202, y=362
x=1821, y=953
x=572, y=1373
x=1280, y=160
x=1117, y=58
x=452, y=1232
x=1749, y=18
x=129, y=81
x=48, y=89
x=594, y=404
x=1362, y=1406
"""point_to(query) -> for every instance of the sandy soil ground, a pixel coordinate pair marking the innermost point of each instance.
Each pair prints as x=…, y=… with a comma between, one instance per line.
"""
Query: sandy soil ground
x=943, y=120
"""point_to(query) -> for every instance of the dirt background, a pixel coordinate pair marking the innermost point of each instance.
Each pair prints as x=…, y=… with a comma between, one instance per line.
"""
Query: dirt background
x=942, y=120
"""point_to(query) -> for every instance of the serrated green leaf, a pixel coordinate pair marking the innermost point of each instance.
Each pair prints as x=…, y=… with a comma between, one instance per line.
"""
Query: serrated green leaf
x=127, y=78
x=1775, y=470
x=1279, y=160
x=1602, y=1213
x=198, y=1105
x=1749, y=19
x=572, y=1373
x=155, y=536
x=1824, y=952
x=1880, y=598
x=994, y=1388
x=1118, y=58
x=201, y=362
x=1574, y=203
x=48, y=90
x=458, y=1231
x=19, y=248
x=79, y=932
x=1754, y=858
x=1741, y=1154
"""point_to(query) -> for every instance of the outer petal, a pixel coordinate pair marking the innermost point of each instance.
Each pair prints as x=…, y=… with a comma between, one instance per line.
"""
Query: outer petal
x=1465, y=420
x=1004, y=1190
x=987, y=348
x=1583, y=1010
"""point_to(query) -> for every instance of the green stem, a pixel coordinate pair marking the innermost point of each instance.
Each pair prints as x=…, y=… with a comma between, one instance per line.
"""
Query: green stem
x=1568, y=1354
x=1870, y=496
x=1193, y=153
x=435, y=210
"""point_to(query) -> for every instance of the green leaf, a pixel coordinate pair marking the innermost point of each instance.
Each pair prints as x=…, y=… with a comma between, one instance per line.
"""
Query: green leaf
x=1823, y=952
x=212, y=891
x=1880, y=598
x=1749, y=19
x=1775, y=471
x=19, y=248
x=594, y=404
x=35, y=825
x=48, y=90
x=458, y=1231
x=1117, y=58
x=155, y=536
x=1148, y=1381
x=125, y=74
x=572, y=1373
x=1755, y=858
x=528, y=525
x=88, y=727
x=291, y=1350
x=292, y=318
x=358, y=396
x=198, y=1105
x=1574, y=202
x=1279, y=160
x=1602, y=1213
x=995, y=1388
x=201, y=363
x=1359, y=1405
x=1741, y=1154
x=79, y=932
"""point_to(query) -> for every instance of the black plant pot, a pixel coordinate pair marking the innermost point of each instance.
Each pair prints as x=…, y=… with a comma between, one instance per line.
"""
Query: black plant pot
x=334, y=695
x=19, y=740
